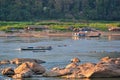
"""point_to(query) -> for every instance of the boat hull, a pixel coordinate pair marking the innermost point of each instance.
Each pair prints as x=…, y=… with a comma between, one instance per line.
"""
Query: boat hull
x=35, y=48
x=88, y=34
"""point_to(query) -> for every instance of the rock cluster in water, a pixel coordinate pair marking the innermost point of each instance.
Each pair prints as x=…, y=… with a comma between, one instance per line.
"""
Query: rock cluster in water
x=26, y=67
x=106, y=67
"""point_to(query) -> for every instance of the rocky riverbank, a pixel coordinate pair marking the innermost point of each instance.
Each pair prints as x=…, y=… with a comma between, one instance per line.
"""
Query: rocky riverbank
x=106, y=67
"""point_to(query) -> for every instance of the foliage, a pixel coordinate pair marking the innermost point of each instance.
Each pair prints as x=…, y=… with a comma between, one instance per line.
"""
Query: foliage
x=36, y=10
x=63, y=26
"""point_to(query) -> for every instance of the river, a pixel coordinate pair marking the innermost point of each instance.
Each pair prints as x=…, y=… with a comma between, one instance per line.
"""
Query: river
x=63, y=50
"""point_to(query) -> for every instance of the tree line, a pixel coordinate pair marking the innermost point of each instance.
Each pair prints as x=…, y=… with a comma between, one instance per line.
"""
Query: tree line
x=33, y=10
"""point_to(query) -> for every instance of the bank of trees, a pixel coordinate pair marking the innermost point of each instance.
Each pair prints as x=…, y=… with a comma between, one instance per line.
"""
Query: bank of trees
x=27, y=10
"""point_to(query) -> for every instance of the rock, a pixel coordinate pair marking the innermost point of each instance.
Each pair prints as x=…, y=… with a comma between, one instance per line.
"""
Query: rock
x=4, y=62
x=19, y=61
x=105, y=59
x=8, y=71
x=75, y=74
x=57, y=72
x=50, y=74
x=75, y=60
x=55, y=68
x=18, y=76
x=110, y=68
x=86, y=69
x=27, y=73
x=36, y=68
x=107, y=67
x=110, y=60
x=81, y=71
x=71, y=65
x=27, y=69
x=74, y=63
x=117, y=62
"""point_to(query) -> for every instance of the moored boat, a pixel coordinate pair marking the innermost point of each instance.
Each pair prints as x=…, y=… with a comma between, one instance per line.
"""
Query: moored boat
x=85, y=32
x=37, y=48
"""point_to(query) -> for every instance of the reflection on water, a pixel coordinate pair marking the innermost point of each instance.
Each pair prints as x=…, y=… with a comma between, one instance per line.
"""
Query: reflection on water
x=75, y=38
x=111, y=37
x=57, y=78
x=88, y=38
x=64, y=49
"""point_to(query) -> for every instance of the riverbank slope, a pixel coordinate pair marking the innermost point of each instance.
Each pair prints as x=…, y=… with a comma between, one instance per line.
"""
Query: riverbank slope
x=47, y=34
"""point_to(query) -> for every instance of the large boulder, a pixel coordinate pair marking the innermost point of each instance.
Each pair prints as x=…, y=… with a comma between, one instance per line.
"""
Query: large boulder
x=56, y=72
x=36, y=68
x=19, y=61
x=27, y=73
x=81, y=71
x=27, y=69
x=107, y=67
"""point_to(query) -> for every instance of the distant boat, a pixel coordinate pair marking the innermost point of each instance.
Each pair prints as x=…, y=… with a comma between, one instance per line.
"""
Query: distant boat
x=37, y=48
x=87, y=34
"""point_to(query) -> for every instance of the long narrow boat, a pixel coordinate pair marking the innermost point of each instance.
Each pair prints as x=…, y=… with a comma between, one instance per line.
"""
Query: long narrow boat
x=38, y=48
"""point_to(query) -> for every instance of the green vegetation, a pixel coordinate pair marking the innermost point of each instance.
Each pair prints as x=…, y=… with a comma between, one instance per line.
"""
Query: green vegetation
x=63, y=10
x=64, y=13
x=7, y=25
x=63, y=26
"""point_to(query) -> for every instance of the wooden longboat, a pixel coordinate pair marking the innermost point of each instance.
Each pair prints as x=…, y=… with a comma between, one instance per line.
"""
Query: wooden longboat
x=38, y=48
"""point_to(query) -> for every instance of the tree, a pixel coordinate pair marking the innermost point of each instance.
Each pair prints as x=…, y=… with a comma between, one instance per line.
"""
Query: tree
x=27, y=10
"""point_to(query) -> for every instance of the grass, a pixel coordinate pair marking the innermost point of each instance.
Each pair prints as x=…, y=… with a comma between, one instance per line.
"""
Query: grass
x=101, y=25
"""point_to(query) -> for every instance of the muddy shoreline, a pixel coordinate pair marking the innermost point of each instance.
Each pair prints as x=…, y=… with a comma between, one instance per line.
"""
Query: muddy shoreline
x=47, y=34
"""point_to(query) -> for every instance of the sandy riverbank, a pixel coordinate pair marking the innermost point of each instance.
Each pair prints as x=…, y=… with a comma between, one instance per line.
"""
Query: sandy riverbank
x=37, y=34
x=46, y=34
